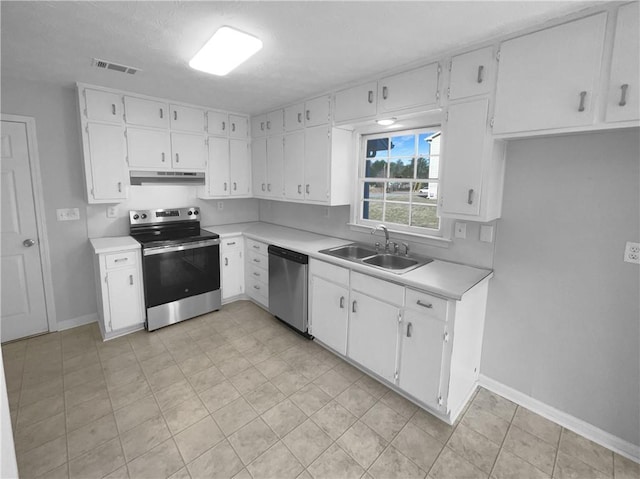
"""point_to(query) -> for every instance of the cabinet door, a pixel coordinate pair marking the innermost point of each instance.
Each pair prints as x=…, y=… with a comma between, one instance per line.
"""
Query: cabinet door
x=139, y=111
x=294, y=117
x=317, y=153
x=329, y=313
x=187, y=151
x=548, y=79
x=218, y=167
x=624, y=83
x=275, y=122
x=409, y=89
x=373, y=334
x=356, y=102
x=186, y=118
x=421, y=356
x=464, y=147
x=471, y=73
x=232, y=267
x=107, y=151
x=317, y=111
x=148, y=148
x=238, y=127
x=103, y=106
x=124, y=298
x=240, y=167
x=294, y=166
x=259, y=167
x=258, y=126
x=217, y=123
x=275, y=162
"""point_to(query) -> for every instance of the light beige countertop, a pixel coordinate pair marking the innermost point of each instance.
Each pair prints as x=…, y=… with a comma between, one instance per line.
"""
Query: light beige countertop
x=443, y=278
x=113, y=244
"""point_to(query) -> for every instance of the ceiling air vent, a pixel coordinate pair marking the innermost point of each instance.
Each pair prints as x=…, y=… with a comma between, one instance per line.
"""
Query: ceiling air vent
x=96, y=62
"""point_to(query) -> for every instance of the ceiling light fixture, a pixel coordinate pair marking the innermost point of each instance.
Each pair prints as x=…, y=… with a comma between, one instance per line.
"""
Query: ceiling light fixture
x=386, y=122
x=226, y=49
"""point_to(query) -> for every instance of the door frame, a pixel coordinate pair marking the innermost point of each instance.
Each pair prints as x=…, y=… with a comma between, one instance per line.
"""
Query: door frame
x=41, y=225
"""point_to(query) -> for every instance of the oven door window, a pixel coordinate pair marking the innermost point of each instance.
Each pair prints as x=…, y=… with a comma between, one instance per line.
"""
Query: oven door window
x=180, y=274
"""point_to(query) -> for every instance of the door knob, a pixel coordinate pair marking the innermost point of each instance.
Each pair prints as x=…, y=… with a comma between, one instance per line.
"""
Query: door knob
x=29, y=243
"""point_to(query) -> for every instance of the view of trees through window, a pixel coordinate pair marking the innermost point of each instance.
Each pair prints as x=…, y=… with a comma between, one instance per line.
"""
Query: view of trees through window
x=400, y=178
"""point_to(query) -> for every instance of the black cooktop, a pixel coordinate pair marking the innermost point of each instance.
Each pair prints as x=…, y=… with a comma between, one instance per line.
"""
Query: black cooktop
x=170, y=234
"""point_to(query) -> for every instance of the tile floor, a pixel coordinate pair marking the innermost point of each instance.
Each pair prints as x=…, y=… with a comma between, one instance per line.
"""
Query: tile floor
x=235, y=394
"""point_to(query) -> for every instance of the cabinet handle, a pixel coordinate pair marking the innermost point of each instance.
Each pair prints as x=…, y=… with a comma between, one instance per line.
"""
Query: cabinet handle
x=306, y=188
x=113, y=108
x=268, y=186
x=177, y=158
x=175, y=115
x=255, y=246
x=299, y=117
x=161, y=113
x=341, y=302
x=131, y=279
x=119, y=187
x=623, y=95
x=231, y=243
x=583, y=96
x=224, y=125
x=353, y=306
x=370, y=96
x=256, y=274
x=308, y=115
x=480, y=74
x=263, y=187
x=268, y=125
x=424, y=305
x=233, y=127
x=262, y=126
x=299, y=189
x=235, y=186
x=470, y=197
x=120, y=259
x=385, y=93
x=225, y=186
x=409, y=329
x=255, y=286
x=256, y=260
x=226, y=261
x=163, y=156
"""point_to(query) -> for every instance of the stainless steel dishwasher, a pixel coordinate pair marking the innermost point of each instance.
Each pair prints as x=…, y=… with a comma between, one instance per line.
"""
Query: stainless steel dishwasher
x=288, y=272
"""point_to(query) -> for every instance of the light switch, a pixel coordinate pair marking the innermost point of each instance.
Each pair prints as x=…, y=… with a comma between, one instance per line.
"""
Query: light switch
x=486, y=233
x=461, y=230
x=112, y=211
x=68, y=214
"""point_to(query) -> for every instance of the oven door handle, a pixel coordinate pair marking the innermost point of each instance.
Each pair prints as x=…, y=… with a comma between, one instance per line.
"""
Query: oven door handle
x=182, y=247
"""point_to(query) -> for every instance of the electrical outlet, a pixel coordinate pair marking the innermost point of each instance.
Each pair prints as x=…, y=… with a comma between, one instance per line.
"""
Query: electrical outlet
x=326, y=211
x=461, y=230
x=220, y=205
x=68, y=214
x=112, y=211
x=486, y=233
x=632, y=253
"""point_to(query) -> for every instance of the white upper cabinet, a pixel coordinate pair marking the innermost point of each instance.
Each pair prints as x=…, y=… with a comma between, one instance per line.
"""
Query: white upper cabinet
x=259, y=166
x=410, y=89
x=185, y=118
x=187, y=151
x=240, y=167
x=217, y=123
x=105, y=147
x=258, y=126
x=317, y=111
x=148, y=148
x=294, y=117
x=143, y=112
x=624, y=84
x=317, y=163
x=218, y=167
x=275, y=122
x=549, y=79
x=294, y=166
x=356, y=102
x=275, y=161
x=238, y=127
x=472, y=73
x=103, y=106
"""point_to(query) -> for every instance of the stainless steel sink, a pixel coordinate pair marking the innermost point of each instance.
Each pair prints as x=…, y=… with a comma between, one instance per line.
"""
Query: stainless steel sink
x=391, y=261
x=365, y=255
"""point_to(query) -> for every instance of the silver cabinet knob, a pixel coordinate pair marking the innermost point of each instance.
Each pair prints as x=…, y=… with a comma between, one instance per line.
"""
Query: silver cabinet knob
x=28, y=243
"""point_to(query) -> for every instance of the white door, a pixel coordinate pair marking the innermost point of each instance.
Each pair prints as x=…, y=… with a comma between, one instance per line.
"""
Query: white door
x=294, y=166
x=148, y=148
x=218, y=173
x=329, y=313
x=275, y=162
x=23, y=310
x=232, y=267
x=188, y=151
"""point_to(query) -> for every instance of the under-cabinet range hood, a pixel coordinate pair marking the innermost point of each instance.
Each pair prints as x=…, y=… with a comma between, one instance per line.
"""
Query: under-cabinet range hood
x=166, y=177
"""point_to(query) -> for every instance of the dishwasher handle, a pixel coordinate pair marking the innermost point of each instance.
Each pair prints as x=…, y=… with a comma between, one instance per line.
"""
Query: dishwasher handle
x=288, y=254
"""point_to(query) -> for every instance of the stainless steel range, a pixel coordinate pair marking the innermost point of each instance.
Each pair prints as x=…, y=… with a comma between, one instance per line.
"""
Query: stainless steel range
x=180, y=264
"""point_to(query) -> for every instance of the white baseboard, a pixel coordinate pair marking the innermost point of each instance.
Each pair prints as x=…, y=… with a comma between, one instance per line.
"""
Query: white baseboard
x=579, y=426
x=79, y=321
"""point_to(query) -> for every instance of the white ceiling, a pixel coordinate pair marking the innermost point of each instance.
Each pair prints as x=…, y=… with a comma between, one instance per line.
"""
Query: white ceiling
x=309, y=46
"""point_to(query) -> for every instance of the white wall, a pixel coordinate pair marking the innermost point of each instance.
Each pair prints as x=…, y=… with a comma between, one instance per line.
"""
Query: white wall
x=563, y=314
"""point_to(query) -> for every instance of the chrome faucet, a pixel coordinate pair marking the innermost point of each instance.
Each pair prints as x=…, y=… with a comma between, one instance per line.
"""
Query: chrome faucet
x=386, y=236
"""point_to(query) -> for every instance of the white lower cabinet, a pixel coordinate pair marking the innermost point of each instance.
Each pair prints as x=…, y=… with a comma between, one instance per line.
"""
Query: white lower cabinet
x=401, y=336
x=232, y=267
x=257, y=271
x=120, y=292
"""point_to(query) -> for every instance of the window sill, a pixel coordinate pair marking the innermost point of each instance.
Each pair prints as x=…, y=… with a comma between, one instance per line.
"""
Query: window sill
x=437, y=241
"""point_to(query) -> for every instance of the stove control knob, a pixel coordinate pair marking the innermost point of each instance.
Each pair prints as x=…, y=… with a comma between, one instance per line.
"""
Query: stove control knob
x=189, y=212
x=144, y=216
x=135, y=217
x=195, y=212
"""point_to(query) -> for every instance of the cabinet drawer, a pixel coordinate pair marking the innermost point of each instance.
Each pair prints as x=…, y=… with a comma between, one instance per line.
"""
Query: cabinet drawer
x=425, y=303
x=335, y=274
x=256, y=273
x=258, y=291
x=378, y=288
x=118, y=260
x=257, y=247
x=231, y=243
x=258, y=260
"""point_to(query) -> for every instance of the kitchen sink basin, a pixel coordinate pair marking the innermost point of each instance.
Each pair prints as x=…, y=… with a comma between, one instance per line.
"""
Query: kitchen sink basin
x=351, y=251
x=391, y=261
